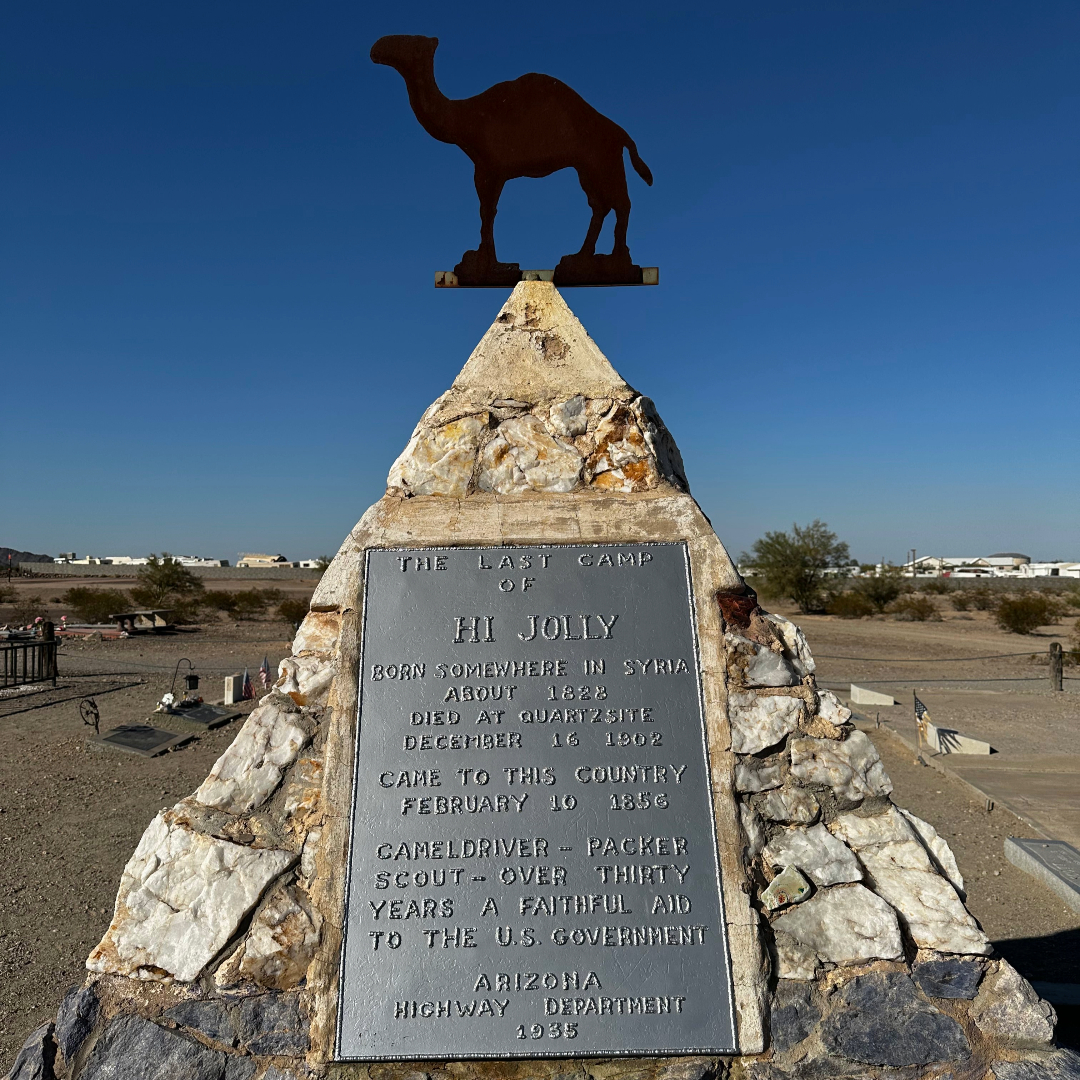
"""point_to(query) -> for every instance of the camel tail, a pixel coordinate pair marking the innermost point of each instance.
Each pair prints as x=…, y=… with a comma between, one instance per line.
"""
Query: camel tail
x=640, y=167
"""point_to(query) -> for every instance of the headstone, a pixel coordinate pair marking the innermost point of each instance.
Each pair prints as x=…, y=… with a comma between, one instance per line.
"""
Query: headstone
x=950, y=741
x=141, y=739
x=205, y=716
x=861, y=696
x=1055, y=863
x=234, y=689
x=527, y=713
x=325, y=897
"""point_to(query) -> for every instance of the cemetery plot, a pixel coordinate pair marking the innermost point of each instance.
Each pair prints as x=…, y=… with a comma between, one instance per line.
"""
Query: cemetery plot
x=141, y=739
x=1053, y=862
x=206, y=716
x=533, y=868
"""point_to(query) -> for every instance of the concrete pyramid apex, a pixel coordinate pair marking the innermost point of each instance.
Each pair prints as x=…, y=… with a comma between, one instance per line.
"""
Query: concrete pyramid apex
x=537, y=351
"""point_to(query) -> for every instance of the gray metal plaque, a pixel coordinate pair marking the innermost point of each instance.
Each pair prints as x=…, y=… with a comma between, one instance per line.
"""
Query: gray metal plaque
x=533, y=869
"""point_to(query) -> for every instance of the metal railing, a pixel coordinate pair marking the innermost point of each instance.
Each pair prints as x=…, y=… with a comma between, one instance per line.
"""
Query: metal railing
x=25, y=662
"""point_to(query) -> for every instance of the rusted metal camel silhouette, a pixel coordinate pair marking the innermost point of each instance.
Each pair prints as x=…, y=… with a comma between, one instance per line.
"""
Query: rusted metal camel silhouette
x=532, y=126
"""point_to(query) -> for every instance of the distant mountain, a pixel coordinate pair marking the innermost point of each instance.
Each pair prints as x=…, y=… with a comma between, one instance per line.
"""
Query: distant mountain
x=21, y=556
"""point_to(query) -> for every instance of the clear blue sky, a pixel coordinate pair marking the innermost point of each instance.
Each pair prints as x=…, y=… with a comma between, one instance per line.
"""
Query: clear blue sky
x=220, y=224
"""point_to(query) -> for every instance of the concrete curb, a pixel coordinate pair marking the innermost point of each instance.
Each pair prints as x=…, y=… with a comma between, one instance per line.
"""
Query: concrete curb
x=933, y=760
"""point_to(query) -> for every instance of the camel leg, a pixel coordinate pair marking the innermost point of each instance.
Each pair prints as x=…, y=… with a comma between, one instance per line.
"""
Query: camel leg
x=489, y=189
x=621, y=201
x=600, y=210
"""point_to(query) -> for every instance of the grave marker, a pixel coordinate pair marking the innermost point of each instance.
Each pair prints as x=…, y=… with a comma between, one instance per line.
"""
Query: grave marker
x=141, y=739
x=532, y=782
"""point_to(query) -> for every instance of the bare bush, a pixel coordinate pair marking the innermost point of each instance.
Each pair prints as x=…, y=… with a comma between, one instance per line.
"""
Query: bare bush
x=937, y=586
x=293, y=610
x=1025, y=614
x=914, y=608
x=850, y=605
x=96, y=605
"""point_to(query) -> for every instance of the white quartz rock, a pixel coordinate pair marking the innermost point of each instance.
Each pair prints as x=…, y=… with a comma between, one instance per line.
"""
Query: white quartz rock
x=789, y=805
x=182, y=896
x=544, y=462
x=761, y=720
x=939, y=850
x=831, y=710
x=306, y=679
x=569, y=418
x=844, y=925
x=755, y=833
x=795, y=647
x=1007, y=1007
x=902, y=872
x=622, y=461
x=439, y=461
x=249, y=771
x=852, y=767
x=499, y=470
x=318, y=633
x=817, y=853
x=282, y=941
x=758, y=665
x=751, y=775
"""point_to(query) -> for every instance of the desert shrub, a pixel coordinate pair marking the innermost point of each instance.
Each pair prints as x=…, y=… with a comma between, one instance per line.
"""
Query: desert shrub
x=293, y=610
x=983, y=598
x=850, y=605
x=30, y=607
x=960, y=599
x=1025, y=614
x=96, y=605
x=914, y=608
x=243, y=604
x=883, y=588
x=7, y=594
x=164, y=583
x=937, y=586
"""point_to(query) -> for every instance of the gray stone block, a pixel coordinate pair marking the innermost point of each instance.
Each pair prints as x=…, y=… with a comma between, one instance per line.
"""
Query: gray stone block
x=244, y=1068
x=1055, y=863
x=1059, y=1065
x=136, y=1049
x=35, y=1060
x=948, y=978
x=272, y=1024
x=75, y=1020
x=879, y=1019
x=209, y=1018
x=794, y=1015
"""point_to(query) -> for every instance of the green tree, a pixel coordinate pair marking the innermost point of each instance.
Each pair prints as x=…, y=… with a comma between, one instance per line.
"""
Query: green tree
x=164, y=583
x=793, y=564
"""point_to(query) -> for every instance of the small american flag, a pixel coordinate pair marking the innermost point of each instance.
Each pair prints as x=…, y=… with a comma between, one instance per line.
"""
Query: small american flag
x=264, y=674
x=922, y=714
x=248, y=693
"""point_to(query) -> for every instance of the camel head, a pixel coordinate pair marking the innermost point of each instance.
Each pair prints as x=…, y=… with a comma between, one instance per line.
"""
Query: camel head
x=405, y=52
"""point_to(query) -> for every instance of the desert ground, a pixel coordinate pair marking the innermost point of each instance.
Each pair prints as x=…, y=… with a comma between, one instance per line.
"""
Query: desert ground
x=71, y=816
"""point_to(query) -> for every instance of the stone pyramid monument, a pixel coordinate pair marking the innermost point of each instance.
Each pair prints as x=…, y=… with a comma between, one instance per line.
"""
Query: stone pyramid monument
x=850, y=951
